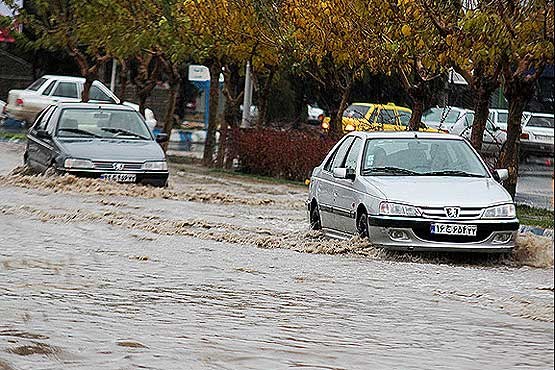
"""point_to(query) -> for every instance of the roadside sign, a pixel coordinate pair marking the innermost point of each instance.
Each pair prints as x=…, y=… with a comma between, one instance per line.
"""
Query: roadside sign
x=198, y=73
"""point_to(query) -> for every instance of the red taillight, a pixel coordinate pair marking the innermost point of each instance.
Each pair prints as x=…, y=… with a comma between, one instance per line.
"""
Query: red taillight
x=19, y=101
x=321, y=118
x=524, y=136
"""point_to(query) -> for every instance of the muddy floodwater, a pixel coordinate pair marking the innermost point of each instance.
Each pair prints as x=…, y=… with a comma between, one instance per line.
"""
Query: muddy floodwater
x=221, y=272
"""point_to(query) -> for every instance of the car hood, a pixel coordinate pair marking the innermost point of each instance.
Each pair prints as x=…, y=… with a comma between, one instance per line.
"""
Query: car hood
x=440, y=191
x=113, y=150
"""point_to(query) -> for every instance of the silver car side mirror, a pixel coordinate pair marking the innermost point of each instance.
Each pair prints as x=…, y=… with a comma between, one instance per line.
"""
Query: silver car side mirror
x=344, y=173
x=501, y=174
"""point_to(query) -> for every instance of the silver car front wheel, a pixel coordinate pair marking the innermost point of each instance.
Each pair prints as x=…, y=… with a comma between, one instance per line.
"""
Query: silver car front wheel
x=362, y=225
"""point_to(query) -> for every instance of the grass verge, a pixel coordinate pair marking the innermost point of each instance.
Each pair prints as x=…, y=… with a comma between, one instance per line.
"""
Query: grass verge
x=535, y=216
x=5, y=135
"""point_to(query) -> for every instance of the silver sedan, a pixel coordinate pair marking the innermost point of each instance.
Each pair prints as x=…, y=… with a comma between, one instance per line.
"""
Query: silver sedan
x=412, y=191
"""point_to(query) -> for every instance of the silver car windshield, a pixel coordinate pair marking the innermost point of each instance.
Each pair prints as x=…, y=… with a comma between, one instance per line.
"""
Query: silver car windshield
x=102, y=123
x=420, y=157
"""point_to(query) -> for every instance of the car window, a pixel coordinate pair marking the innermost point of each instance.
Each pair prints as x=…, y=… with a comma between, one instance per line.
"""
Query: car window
x=102, y=123
x=404, y=118
x=414, y=157
x=536, y=121
x=502, y=117
x=66, y=90
x=352, y=156
x=97, y=94
x=36, y=123
x=386, y=116
x=338, y=156
x=49, y=88
x=356, y=111
x=37, y=84
x=468, y=119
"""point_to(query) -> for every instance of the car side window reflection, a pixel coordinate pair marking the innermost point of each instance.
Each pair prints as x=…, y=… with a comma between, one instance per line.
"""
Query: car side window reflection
x=337, y=159
x=42, y=118
x=352, y=156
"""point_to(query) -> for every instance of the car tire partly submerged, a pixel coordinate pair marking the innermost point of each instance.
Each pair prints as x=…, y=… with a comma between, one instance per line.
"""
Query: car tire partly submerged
x=315, y=222
x=362, y=225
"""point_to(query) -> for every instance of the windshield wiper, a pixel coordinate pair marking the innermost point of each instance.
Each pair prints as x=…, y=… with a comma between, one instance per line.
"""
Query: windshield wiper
x=452, y=173
x=389, y=170
x=79, y=131
x=123, y=131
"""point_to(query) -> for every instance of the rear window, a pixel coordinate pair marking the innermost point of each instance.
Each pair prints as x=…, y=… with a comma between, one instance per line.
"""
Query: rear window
x=66, y=90
x=37, y=84
x=440, y=115
x=356, y=111
x=536, y=121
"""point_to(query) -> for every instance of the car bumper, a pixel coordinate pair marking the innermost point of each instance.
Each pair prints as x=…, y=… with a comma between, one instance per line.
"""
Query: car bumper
x=537, y=148
x=22, y=114
x=156, y=178
x=417, y=236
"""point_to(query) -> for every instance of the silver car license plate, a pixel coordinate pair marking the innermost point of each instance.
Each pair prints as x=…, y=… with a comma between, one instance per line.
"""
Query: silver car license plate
x=119, y=177
x=454, y=229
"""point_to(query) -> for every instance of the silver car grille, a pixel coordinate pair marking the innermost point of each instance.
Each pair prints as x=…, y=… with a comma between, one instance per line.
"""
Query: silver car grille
x=440, y=213
x=118, y=166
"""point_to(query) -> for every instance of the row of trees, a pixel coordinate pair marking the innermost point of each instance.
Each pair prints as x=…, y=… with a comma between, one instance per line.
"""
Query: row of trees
x=491, y=43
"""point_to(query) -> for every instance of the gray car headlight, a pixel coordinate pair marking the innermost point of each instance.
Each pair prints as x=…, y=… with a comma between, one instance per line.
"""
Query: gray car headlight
x=396, y=209
x=502, y=211
x=155, y=166
x=78, y=163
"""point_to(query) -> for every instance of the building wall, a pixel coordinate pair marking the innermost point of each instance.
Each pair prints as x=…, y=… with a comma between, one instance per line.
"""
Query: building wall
x=15, y=73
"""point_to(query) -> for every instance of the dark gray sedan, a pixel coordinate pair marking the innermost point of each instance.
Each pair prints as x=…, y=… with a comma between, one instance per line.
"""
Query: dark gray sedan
x=106, y=141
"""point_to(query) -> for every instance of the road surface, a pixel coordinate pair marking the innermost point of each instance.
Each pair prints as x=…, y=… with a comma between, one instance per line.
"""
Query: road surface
x=221, y=272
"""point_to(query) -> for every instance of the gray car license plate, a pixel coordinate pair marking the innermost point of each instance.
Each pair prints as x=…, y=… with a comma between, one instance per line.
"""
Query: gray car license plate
x=119, y=177
x=454, y=229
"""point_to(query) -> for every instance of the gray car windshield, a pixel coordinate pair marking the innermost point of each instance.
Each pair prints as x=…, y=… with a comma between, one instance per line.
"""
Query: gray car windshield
x=102, y=123
x=421, y=157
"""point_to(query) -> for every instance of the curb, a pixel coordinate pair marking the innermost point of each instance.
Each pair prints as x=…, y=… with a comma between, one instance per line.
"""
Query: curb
x=536, y=173
x=524, y=229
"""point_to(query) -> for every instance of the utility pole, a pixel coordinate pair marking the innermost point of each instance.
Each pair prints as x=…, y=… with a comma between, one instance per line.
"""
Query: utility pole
x=113, y=78
x=247, y=97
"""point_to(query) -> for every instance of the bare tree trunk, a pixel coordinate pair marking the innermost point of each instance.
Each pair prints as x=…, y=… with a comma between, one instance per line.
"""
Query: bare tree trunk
x=264, y=99
x=509, y=157
x=481, y=113
x=417, y=93
x=208, y=155
x=168, y=118
x=146, y=79
x=336, y=124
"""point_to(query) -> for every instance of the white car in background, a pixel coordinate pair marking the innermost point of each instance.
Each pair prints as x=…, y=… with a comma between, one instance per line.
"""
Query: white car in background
x=537, y=136
x=315, y=115
x=24, y=105
x=459, y=121
x=2, y=107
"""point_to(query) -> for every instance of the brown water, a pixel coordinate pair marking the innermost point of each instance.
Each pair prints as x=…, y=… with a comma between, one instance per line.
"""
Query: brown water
x=207, y=275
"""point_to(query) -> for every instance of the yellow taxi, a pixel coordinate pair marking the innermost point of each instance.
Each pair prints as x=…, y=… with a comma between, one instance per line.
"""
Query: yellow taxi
x=376, y=117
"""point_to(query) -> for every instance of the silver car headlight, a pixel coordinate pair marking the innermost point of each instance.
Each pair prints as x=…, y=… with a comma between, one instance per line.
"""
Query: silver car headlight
x=396, y=209
x=78, y=163
x=502, y=211
x=155, y=166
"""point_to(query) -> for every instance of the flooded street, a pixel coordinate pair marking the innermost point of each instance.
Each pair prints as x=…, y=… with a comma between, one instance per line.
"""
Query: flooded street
x=221, y=272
